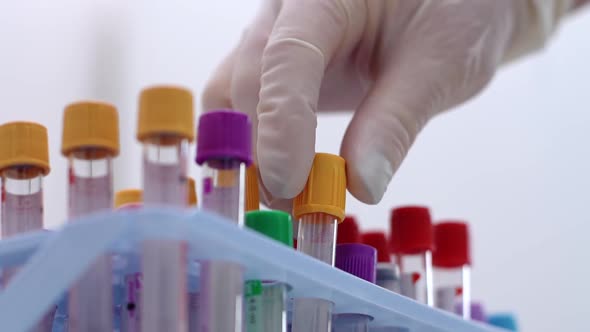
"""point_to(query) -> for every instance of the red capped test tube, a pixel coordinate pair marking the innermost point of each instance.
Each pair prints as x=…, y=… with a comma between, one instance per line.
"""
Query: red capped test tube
x=348, y=231
x=411, y=243
x=387, y=272
x=165, y=128
x=452, y=266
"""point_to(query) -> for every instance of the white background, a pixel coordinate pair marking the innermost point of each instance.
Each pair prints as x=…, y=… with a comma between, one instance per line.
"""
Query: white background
x=514, y=161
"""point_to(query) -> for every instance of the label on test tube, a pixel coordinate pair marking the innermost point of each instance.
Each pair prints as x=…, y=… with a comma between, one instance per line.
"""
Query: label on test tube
x=27, y=209
x=253, y=297
x=132, y=316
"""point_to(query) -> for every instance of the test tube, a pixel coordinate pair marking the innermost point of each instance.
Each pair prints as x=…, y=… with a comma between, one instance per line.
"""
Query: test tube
x=348, y=231
x=359, y=260
x=411, y=244
x=319, y=208
x=505, y=321
x=478, y=312
x=252, y=195
x=165, y=128
x=24, y=161
x=224, y=150
x=128, y=295
x=452, y=266
x=193, y=271
x=387, y=272
x=90, y=140
x=192, y=193
x=272, y=317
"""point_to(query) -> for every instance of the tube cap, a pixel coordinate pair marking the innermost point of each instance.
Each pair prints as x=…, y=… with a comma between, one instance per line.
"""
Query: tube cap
x=224, y=134
x=378, y=240
x=348, y=231
x=90, y=124
x=24, y=143
x=128, y=196
x=191, y=192
x=451, y=244
x=252, y=196
x=477, y=311
x=503, y=320
x=411, y=230
x=357, y=259
x=166, y=110
x=274, y=224
x=325, y=190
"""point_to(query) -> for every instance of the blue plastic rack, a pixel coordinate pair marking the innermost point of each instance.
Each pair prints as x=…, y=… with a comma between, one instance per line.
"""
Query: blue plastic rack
x=52, y=261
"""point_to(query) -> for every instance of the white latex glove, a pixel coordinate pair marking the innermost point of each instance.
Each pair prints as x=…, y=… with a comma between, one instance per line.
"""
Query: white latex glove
x=396, y=63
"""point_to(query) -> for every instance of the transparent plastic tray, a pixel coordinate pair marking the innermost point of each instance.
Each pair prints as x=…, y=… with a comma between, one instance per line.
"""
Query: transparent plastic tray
x=54, y=259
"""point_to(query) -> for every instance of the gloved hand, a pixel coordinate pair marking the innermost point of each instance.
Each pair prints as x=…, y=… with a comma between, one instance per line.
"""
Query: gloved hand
x=395, y=63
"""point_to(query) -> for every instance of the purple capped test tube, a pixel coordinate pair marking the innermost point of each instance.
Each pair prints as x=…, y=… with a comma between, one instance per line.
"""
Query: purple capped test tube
x=224, y=150
x=359, y=260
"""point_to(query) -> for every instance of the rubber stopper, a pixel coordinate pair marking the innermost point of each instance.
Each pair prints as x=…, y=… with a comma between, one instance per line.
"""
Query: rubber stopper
x=378, y=240
x=411, y=230
x=90, y=124
x=348, y=231
x=451, y=244
x=24, y=144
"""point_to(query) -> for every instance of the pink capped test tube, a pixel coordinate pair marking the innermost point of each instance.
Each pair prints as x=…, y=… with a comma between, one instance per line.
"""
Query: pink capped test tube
x=224, y=150
x=24, y=161
x=90, y=141
x=411, y=244
x=165, y=128
x=452, y=266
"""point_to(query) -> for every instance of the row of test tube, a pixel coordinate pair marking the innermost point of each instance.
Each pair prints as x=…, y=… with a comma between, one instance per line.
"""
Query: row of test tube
x=429, y=263
x=159, y=295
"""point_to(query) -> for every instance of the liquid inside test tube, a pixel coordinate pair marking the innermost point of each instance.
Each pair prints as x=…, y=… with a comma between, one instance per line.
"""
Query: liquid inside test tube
x=164, y=296
x=316, y=236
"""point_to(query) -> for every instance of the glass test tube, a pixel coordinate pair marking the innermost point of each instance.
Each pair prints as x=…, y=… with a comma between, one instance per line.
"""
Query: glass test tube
x=411, y=243
x=317, y=236
x=128, y=306
x=24, y=161
x=452, y=266
x=165, y=128
x=90, y=141
x=224, y=150
x=351, y=323
x=319, y=208
x=271, y=314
